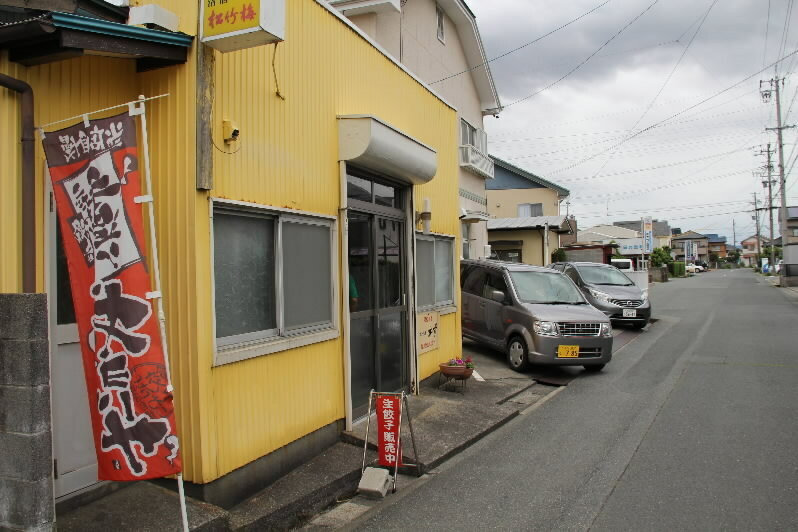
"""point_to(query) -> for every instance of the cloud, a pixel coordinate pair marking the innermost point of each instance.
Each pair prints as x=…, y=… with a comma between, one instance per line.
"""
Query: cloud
x=552, y=133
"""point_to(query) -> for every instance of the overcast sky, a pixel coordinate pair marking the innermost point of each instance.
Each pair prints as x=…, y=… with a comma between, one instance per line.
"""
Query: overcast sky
x=694, y=170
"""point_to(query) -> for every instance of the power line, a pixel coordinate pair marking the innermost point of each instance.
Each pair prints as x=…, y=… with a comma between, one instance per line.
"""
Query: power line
x=676, y=66
x=659, y=167
x=652, y=126
x=664, y=84
x=785, y=32
x=577, y=67
x=608, y=131
x=501, y=137
x=767, y=26
x=660, y=208
x=673, y=184
x=638, y=49
x=646, y=149
x=524, y=45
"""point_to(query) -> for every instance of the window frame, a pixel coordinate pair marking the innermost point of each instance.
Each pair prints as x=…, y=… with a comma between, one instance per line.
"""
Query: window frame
x=477, y=138
x=532, y=207
x=258, y=343
x=449, y=305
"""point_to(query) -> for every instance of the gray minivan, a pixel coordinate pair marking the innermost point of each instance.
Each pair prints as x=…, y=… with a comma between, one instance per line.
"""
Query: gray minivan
x=535, y=315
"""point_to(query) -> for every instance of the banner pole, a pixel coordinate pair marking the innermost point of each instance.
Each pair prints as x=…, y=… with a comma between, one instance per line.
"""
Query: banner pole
x=158, y=295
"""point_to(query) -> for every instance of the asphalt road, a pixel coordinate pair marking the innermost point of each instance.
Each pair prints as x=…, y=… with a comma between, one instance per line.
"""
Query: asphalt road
x=692, y=426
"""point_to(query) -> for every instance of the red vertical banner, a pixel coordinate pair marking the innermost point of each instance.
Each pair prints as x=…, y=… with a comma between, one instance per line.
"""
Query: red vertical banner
x=388, y=422
x=94, y=171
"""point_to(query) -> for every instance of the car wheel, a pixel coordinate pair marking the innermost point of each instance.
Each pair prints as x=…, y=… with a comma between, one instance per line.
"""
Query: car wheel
x=595, y=368
x=517, y=354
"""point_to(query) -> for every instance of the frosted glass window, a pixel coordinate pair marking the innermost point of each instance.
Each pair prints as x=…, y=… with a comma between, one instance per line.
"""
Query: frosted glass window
x=443, y=271
x=243, y=258
x=265, y=290
x=307, y=283
x=425, y=272
x=434, y=271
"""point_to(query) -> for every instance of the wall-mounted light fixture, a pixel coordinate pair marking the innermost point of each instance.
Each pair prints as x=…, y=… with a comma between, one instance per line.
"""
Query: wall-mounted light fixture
x=425, y=216
x=230, y=131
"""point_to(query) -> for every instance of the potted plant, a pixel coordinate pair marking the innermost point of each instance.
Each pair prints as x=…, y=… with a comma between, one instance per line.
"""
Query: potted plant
x=457, y=368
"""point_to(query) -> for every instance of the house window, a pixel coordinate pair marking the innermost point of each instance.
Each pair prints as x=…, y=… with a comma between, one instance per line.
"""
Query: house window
x=434, y=271
x=439, y=23
x=526, y=210
x=471, y=136
x=795, y=232
x=273, y=275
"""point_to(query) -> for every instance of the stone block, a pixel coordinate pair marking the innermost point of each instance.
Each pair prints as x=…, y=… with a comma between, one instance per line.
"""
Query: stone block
x=374, y=483
x=24, y=409
x=23, y=316
x=26, y=456
x=24, y=362
x=26, y=505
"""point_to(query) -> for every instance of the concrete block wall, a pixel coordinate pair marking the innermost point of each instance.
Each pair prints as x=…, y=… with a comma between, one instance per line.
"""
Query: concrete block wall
x=26, y=460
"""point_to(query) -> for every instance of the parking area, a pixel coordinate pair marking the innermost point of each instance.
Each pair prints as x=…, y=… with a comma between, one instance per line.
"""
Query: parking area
x=492, y=364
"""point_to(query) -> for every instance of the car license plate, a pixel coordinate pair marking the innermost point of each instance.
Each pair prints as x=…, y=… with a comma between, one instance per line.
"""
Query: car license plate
x=568, y=351
x=629, y=313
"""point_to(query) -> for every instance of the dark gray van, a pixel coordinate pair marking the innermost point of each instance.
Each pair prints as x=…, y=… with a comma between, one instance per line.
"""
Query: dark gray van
x=535, y=315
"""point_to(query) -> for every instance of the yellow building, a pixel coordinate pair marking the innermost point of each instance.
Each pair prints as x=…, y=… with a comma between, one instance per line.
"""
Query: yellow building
x=305, y=211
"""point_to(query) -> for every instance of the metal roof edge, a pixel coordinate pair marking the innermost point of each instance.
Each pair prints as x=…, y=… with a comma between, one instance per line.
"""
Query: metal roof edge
x=530, y=176
x=104, y=27
x=483, y=60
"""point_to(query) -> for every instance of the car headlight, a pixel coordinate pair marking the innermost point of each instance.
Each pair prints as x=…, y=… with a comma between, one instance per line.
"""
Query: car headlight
x=606, y=329
x=545, y=328
x=645, y=296
x=601, y=296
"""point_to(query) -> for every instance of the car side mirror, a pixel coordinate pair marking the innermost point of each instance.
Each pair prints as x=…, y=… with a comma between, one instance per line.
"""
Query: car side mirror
x=497, y=295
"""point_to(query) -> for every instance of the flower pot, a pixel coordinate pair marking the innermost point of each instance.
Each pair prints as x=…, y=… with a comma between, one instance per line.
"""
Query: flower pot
x=455, y=372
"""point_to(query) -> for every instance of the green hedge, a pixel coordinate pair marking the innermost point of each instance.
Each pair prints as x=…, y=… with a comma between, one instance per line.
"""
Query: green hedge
x=677, y=269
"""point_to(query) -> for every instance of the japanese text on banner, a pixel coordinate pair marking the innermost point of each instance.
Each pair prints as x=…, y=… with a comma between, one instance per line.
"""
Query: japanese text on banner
x=95, y=178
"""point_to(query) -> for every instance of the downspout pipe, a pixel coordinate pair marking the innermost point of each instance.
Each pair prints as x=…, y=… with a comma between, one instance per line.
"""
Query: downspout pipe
x=28, y=182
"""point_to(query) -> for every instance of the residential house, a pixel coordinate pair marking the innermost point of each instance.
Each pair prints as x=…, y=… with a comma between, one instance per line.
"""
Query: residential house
x=751, y=246
x=439, y=42
x=515, y=192
x=690, y=247
x=525, y=224
x=286, y=182
x=717, y=245
x=628, y=241
x=601, y=253
x=662, y=231
x=792, y=225
x=526, y=239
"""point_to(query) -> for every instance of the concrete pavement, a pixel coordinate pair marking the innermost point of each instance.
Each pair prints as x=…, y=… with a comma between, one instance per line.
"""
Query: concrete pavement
x=445, y=420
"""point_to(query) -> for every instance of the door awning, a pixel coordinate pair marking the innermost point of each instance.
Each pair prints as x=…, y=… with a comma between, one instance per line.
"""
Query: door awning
x=55, y=36
x=370, y=143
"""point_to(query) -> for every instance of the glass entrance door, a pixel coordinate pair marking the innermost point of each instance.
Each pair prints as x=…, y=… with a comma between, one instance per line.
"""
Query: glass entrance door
x=377, y=305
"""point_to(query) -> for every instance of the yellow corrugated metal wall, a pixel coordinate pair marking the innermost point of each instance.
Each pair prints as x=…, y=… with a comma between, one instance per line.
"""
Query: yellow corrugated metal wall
x=288, y=158
x=60, y=89
x=233, y=414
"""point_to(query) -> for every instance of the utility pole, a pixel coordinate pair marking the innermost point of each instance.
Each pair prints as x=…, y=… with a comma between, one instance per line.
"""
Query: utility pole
x=775, y=85
x=769, y=184
x=758, y=238
x=734, y=239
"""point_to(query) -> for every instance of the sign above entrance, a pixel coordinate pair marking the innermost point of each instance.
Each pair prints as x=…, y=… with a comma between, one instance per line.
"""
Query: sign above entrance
x=230, y=25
